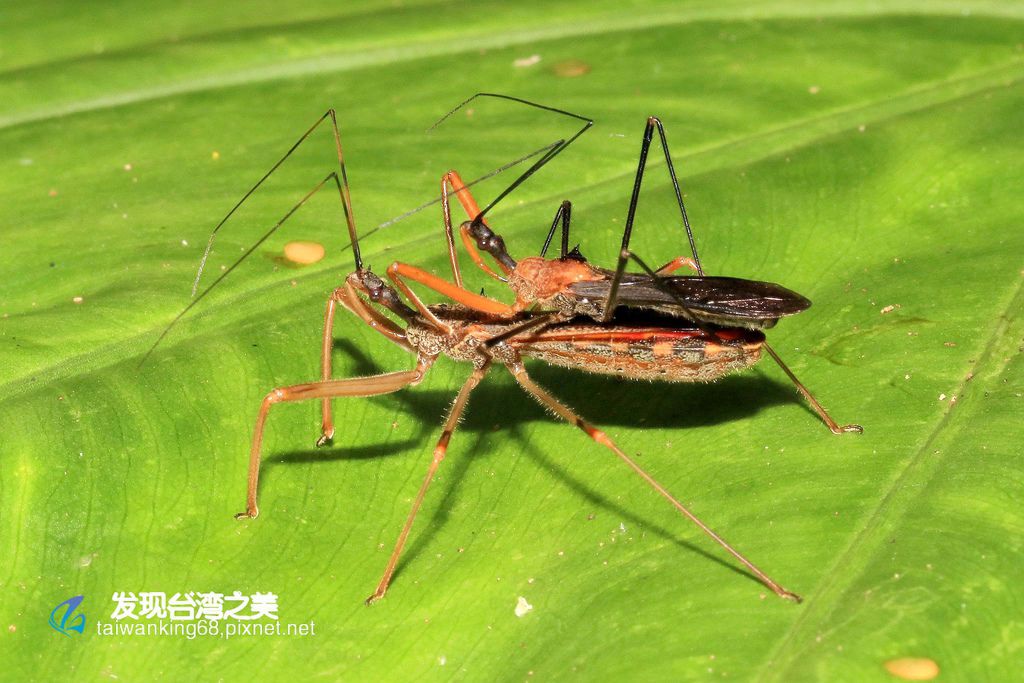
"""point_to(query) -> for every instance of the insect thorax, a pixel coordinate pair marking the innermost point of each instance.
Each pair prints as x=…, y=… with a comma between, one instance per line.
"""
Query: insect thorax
x=465, y=343
x=536, y=280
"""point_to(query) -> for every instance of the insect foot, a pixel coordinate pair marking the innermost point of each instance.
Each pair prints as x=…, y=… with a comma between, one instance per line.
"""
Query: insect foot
x=251, y=513
x=325, y=438
x=377, y=595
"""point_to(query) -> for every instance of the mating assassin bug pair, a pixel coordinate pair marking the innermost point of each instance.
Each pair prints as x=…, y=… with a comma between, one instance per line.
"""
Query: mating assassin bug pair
x=650, y=325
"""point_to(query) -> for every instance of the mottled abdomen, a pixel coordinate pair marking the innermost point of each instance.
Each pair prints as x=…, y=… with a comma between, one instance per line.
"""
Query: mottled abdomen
x=652, y=353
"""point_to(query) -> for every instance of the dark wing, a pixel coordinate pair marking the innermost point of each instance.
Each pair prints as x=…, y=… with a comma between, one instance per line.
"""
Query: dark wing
x=729, y=298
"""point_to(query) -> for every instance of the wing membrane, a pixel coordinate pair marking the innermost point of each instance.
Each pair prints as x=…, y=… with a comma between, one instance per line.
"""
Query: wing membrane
x=714, y=299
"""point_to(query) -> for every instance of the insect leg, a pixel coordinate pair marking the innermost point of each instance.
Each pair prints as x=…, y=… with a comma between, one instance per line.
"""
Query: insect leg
x=349, y=299
x=822, y=413
x=472, y=210
x=652, y=123
x=627, y=232
x=439, y=452
x=562, y=216
x=354, y=386
x=660, y=284
x=398, y=271
x=677, y=263
x=550, y=402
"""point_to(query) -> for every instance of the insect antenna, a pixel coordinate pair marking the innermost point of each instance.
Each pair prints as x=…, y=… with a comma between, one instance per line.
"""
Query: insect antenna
x=341, y=182
x=437, y=200
x=553, y=150
x=333, y=175
x=346, y=200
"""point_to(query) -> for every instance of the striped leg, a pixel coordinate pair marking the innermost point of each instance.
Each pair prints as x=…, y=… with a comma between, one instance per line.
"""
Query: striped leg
x=439, y=452
x=549, y=401
x=348, y=297
x=353, y=386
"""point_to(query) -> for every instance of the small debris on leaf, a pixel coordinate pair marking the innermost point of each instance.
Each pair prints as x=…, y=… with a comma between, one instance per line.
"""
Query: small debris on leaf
x=304, y=253
x=913, y=668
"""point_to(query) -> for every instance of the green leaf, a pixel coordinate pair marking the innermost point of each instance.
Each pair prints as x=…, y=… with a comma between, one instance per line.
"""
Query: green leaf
x=869, y=158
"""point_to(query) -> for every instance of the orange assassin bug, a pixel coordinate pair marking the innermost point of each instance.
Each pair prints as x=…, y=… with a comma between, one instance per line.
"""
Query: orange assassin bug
x=627, y=337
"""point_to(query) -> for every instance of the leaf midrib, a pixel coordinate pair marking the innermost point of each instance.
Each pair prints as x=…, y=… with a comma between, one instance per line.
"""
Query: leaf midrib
x=447, y=45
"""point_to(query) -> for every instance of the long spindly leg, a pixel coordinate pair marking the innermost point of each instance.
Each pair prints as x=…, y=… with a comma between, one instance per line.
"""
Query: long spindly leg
x=439, y=452
x=627, y=231
x=822, y=413
x=347, y=296
x=353, y=386
x=677, y=263
x=550, y=402
x=652, y=123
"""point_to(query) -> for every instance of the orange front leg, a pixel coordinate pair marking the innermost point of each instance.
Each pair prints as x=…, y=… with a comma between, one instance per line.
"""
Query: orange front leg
x=397, y=271
x=677, y=263
x=472, y=210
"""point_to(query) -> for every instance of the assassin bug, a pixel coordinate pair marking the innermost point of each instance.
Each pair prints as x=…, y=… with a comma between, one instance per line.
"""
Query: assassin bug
x=572, y=288
x=484, y=332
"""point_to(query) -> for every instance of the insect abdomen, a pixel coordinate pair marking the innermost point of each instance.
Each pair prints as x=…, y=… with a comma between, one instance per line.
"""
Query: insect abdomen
x=653, y=354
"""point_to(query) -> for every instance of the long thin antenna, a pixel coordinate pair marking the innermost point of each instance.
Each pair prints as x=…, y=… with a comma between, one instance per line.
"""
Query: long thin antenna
x=482, y=178
x=346, y=200
x=196, y=299
x=554, y=149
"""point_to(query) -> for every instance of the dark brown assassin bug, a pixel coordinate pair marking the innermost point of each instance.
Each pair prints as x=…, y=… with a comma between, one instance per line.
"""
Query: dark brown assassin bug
x=481, y=331
x=571, y=288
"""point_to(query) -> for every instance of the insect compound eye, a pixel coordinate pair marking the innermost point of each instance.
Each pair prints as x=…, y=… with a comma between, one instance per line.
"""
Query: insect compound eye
x=373, y=285
x=480, y=232
x=484, y=238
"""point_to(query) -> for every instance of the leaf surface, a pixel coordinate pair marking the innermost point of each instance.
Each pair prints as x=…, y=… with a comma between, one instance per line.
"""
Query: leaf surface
x=866, y=157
